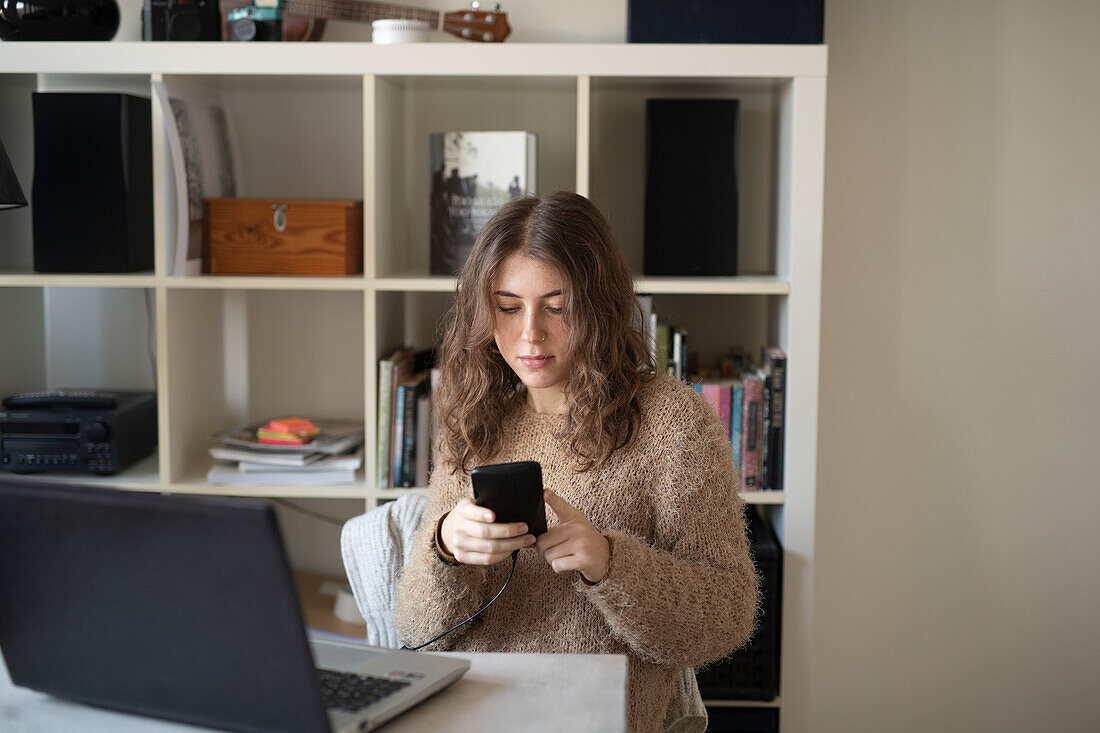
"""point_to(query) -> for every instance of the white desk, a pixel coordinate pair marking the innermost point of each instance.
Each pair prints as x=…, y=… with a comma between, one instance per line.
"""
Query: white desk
x=500, y=692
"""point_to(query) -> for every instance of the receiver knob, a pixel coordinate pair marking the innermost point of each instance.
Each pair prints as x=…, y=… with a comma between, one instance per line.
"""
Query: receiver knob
x=97, y=432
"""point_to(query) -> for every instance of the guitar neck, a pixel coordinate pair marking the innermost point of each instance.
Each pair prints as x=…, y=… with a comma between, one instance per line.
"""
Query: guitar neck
x=361, y=12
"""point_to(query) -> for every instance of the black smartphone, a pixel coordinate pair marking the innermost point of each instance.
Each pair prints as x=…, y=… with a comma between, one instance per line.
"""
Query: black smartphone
x=513, y=491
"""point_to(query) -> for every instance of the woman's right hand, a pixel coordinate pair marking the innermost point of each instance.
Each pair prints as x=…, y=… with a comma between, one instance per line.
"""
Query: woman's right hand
x=471, y=536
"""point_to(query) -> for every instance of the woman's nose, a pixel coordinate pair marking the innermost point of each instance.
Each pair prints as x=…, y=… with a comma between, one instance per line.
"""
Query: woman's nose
x=532, y=329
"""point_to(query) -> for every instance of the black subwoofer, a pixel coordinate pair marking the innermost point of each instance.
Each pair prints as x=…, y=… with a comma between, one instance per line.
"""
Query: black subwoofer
x=92, y=196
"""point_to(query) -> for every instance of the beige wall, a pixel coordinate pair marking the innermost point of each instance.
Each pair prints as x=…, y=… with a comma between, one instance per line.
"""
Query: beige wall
x=958, y=560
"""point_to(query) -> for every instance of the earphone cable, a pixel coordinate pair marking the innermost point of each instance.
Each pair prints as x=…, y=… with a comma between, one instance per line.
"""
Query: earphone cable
x=515, y=553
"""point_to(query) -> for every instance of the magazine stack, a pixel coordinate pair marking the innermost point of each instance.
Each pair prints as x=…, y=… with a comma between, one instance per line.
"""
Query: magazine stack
x=287, y=452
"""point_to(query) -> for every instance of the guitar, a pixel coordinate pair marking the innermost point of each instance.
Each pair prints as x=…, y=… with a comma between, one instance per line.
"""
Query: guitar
x=304, y=20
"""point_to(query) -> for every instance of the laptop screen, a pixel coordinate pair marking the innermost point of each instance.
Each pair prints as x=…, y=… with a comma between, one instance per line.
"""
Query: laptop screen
x=179, y=607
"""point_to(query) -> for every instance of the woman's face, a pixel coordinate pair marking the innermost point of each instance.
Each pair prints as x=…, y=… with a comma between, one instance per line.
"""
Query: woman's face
x=530, y=328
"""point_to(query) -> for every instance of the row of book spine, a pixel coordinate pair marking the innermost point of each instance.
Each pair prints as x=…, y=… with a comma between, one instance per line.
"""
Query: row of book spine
x=751, y=407
x=407, y=382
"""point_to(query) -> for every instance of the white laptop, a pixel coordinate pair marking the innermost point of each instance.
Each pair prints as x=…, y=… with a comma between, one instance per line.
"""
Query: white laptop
x=184, y=608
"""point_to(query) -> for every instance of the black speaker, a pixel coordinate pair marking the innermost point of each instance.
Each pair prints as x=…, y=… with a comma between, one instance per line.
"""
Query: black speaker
x=691, y=187
x=92, y=196
x=725, y=21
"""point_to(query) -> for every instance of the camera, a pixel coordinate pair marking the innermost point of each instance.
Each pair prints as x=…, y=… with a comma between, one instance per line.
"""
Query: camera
x=256, y=24
x=181, y=20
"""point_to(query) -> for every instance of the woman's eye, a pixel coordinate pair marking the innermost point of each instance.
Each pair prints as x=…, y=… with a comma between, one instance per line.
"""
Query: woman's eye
x=556, y=311
x=506, y=309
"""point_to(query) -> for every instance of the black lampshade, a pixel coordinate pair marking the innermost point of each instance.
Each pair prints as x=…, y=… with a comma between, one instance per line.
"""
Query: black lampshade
x=11, y=195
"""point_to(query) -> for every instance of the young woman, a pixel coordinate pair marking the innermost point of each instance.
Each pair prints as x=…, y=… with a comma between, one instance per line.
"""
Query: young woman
x=544, y=359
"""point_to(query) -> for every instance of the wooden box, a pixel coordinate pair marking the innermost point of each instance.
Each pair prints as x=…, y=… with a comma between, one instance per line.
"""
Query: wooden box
x=246, y=236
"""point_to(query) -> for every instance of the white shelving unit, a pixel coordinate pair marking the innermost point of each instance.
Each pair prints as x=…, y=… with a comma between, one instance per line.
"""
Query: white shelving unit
x=352, y=121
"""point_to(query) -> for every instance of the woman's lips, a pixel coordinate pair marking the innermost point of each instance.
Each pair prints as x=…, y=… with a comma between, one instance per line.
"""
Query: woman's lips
x=534, y=362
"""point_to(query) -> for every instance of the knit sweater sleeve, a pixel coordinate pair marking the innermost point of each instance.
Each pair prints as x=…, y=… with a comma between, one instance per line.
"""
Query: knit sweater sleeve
x=689, y=596
x=431, y=595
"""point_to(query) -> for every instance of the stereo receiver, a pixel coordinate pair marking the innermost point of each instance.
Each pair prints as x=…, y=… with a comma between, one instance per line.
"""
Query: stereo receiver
x=75, y=430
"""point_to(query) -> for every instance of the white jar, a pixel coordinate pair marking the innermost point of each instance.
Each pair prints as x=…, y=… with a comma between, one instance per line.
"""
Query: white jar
x=399, y=30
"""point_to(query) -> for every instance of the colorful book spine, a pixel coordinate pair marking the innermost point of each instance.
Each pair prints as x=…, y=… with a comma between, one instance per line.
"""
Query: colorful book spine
x=662, y=342
x=403, y=368
x=752, y=419
x=404, y=449
x=398, y=448
x=409, y=430
x=678, y=347
x=382, y=443
x=737, y=406
x=718, y=395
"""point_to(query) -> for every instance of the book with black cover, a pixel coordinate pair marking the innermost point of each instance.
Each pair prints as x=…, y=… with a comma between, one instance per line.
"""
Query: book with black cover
x=691, y=199
x=473, y=173
x=774, y=366
x=408, y=393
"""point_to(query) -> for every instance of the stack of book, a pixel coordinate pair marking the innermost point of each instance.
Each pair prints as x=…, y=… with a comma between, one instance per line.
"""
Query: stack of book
x=748, y=398
x=248, y=456
x=407, y=382
x=667, y=343
x=751, y=406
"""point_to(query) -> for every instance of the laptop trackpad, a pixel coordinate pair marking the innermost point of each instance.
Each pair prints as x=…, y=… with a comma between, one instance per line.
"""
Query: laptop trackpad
x=341, y=656
x=380, y=662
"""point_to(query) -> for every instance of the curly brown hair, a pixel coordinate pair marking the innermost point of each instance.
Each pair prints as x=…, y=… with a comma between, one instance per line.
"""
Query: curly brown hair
x=609, y=357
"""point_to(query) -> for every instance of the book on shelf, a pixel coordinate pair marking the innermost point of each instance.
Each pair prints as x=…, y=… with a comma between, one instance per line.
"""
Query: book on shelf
x=774, y=367
x=718, y=393
x=265, y=457
x=351, y=459
x=675, y=360
x=752, y=424
x=765, y=427
x=755, y=397
x=473, y=173
x=225, y=472
x=403, y=378
x=678, y=360
x=649, y=324
x=386, y=395
x=661, y=347
x=668, y=343
x=409, y=392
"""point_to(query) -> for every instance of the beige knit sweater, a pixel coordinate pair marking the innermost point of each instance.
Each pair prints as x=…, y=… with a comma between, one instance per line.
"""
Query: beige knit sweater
x=681, y=590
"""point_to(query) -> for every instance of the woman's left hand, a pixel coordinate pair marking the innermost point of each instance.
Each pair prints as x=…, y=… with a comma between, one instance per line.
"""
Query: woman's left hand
x=573, y=544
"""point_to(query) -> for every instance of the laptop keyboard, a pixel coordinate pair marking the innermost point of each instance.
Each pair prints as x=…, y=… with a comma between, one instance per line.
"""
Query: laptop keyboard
x=350, y=692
